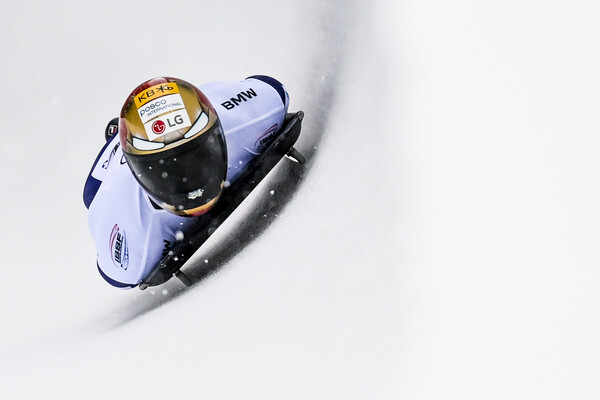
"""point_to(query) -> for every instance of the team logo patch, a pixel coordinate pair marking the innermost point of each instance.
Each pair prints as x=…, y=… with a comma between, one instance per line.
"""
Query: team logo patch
x=118, y=247
x=266, y=137
x=195, y=194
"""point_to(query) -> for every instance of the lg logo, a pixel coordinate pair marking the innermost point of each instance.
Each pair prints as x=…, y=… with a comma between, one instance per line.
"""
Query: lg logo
x=158, y=127
x=173, y=122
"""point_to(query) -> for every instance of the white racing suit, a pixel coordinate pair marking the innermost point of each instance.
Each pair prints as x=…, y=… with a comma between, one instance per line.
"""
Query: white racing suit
x=131, y=234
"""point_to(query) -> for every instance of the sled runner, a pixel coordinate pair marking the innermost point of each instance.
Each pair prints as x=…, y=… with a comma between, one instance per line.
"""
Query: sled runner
x=232, y=197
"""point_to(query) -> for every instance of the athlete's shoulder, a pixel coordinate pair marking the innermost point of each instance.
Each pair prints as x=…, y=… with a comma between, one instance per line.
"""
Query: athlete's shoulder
x=109, y=152
x=275, y=84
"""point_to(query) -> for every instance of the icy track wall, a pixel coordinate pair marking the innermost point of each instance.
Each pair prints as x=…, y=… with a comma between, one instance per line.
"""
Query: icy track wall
x=300, y=312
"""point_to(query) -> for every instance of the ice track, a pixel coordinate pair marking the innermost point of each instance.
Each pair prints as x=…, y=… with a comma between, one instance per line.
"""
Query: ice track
x=441, y=242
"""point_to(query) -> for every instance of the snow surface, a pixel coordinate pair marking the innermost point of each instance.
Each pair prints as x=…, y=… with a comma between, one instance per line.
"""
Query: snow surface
x=441, y=243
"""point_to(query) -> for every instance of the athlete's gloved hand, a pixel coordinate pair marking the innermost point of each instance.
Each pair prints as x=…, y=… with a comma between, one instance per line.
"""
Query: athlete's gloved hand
x=111, y=129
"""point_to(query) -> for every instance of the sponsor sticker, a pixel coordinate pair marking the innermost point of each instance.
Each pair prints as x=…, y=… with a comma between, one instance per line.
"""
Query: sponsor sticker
x=266, y=137
x=166, y=123
x=163, y=114
x=118, y=247
x=154, y=108
x=161, y=110
x=155, y=92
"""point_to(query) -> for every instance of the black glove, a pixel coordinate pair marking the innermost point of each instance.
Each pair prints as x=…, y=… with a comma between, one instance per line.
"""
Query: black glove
x=111, y=129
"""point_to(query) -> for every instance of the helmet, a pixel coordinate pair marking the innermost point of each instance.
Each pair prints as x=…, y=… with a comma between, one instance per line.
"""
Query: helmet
x=174, y=144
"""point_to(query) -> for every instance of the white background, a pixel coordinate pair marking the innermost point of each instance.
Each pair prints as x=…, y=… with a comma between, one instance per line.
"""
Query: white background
x=441, y=244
